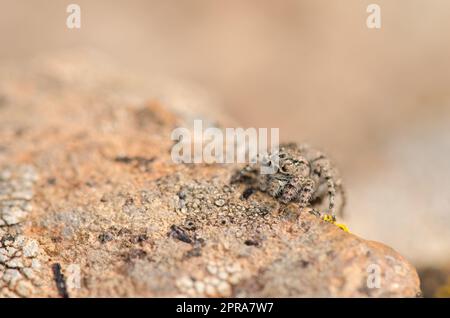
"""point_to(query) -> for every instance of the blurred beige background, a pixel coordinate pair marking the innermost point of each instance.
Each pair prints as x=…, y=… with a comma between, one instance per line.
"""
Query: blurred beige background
x=378, y=101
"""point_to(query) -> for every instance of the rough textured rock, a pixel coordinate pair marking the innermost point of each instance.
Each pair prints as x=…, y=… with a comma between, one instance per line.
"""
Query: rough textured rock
x=86, y=180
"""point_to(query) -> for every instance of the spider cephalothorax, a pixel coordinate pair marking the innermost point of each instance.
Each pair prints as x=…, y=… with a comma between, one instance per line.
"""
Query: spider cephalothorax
x=302, y=175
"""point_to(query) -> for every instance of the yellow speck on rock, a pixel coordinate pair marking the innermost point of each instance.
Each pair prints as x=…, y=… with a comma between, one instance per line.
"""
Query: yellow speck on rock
x=330, y=219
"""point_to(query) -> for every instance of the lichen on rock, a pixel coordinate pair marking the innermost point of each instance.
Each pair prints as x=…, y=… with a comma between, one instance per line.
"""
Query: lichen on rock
x=20, y=267
x=16, y=191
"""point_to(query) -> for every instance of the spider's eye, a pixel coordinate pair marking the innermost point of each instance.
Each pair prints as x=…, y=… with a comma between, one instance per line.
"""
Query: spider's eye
x=287, y=167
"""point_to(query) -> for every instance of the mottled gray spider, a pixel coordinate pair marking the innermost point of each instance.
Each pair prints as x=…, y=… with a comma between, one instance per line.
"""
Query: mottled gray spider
x=303, y=175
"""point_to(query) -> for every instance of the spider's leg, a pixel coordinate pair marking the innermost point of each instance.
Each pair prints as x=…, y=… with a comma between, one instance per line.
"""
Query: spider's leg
x=306, y=192
x=343, y=196
x=323, y=171
x=288, y=194
x=274, y=185
x=249, y=175
x=331, y=195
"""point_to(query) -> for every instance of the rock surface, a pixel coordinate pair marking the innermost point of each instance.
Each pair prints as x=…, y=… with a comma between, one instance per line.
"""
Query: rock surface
x=91, y=204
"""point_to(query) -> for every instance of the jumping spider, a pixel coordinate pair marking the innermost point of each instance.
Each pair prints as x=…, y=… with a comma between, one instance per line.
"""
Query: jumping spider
x=302, y=175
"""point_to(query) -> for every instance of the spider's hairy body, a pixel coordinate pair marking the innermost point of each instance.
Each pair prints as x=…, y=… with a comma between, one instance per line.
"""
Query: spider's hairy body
x=303, y=175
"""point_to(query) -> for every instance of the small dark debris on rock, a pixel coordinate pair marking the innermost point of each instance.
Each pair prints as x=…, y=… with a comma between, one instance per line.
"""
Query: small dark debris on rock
x=105, y=237
x=252, y=243
x=60, y=280
x=181, y=195
x=179, y=234
x=304, y=264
